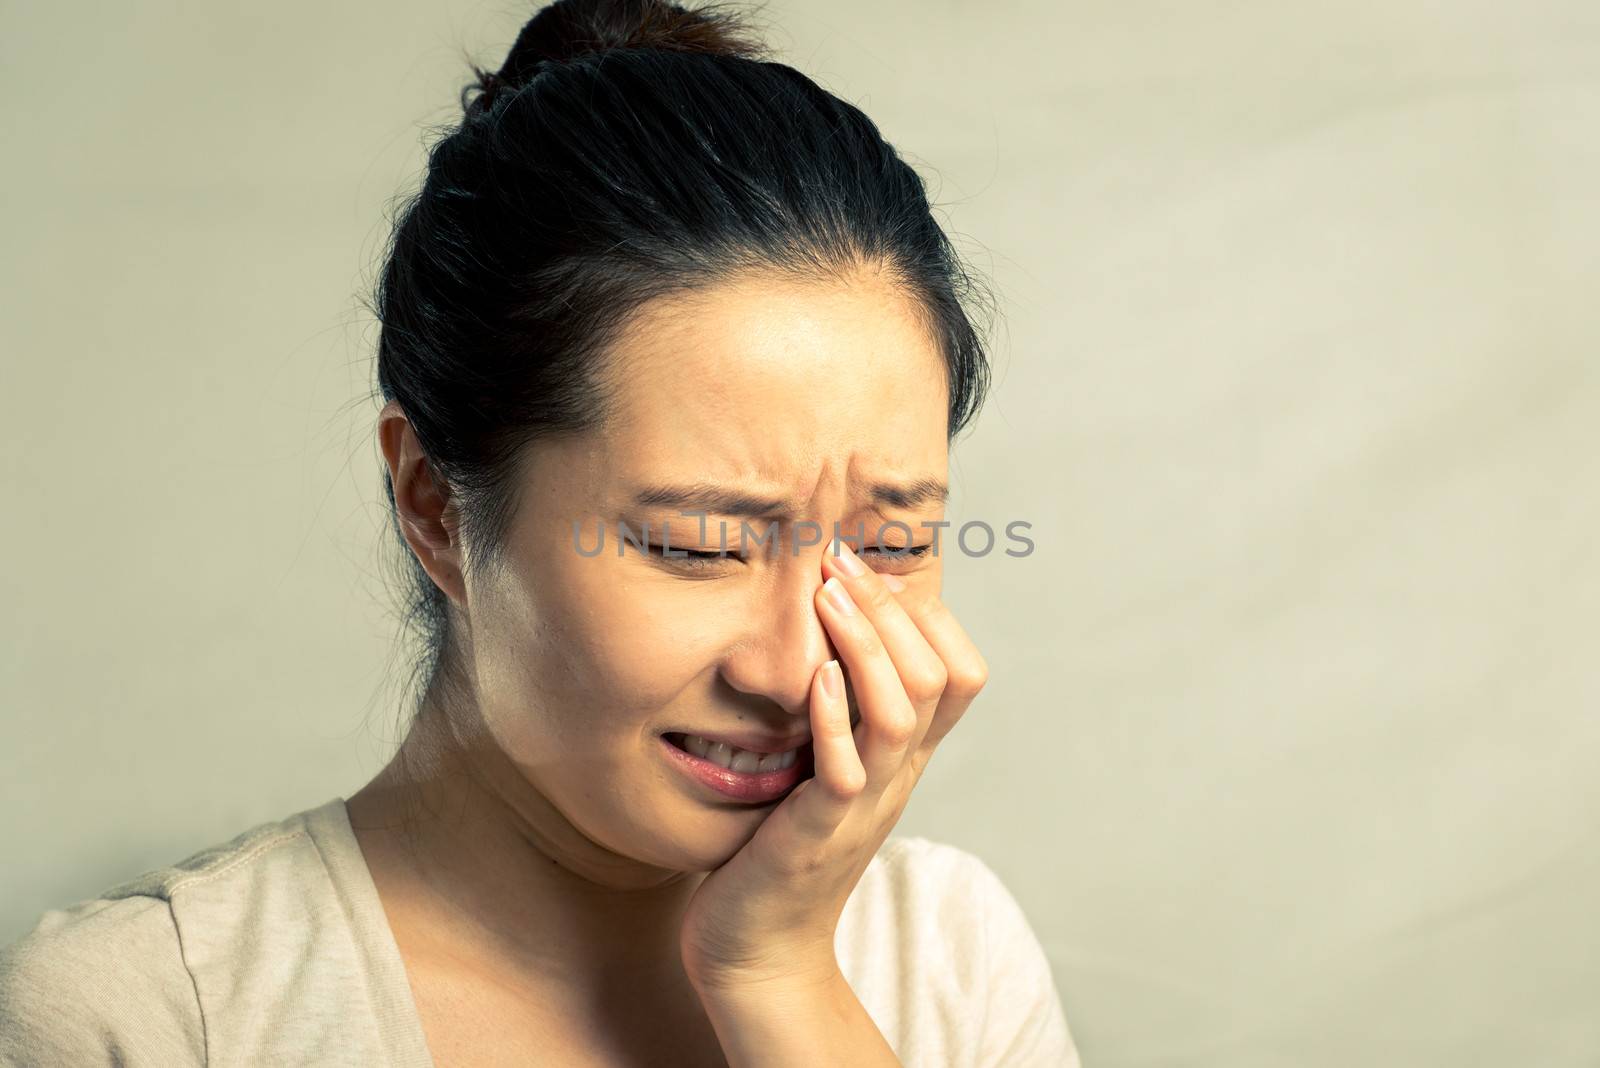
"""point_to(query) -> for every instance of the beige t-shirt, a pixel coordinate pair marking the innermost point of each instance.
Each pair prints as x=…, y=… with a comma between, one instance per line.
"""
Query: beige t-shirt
x=273, y=949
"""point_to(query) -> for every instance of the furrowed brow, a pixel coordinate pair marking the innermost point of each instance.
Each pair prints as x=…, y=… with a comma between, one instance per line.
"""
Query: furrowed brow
x=911, y=494
x=713, y=499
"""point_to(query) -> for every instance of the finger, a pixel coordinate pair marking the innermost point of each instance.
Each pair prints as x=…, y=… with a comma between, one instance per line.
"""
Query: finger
x=922, y=672
x=966, y=671
x=839, y=775
x=888, y=719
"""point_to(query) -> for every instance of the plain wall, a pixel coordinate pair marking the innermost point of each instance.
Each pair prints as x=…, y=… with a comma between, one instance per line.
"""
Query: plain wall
x=1290, y=745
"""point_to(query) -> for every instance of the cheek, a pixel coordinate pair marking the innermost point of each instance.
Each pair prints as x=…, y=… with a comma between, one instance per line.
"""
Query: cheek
x=645, y=645
x=592, y=655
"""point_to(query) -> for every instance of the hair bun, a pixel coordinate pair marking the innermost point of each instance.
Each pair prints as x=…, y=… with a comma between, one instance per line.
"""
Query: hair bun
x=567, y=29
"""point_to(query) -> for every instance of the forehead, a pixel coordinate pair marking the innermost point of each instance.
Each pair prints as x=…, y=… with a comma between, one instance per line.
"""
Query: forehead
x=779, y=382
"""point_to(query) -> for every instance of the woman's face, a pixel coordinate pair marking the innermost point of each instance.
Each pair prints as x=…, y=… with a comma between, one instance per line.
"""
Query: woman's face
x=809, y=396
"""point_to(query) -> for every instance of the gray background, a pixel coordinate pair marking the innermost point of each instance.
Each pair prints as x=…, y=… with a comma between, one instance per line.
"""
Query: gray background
x=1290, y=746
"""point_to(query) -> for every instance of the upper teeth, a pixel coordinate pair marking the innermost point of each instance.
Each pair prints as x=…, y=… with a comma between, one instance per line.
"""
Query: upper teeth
x=738, y=759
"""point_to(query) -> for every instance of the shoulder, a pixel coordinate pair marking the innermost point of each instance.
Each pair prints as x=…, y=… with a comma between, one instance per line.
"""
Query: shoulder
x=913, y=859
x=96, y=981
x=145, y=969
x=250, y=855
x=924, y=884
x=939, y=949
x=917, y=907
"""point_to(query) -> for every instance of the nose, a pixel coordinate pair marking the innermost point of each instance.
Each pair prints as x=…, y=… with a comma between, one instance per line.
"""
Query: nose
x=785, y=643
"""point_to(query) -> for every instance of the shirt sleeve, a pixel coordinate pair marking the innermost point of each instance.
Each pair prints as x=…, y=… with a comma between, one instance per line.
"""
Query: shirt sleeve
x=1024, y=1023
x=101, y=982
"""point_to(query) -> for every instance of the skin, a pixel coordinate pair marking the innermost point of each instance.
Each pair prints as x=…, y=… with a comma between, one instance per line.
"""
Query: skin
x=561, y=868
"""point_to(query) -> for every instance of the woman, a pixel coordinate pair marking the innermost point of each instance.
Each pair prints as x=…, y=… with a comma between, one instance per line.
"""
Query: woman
x=672, y=355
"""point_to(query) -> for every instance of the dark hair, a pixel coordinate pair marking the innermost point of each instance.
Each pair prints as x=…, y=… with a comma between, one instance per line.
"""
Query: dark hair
x=625, y=150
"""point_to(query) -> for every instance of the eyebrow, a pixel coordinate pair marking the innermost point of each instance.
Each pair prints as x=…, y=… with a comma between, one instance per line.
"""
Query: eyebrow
x=713, y=499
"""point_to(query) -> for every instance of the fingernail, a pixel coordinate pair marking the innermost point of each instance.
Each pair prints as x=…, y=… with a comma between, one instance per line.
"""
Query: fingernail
x=894, y=582
x=849, y=562
x=832, y=680
x=835, y=592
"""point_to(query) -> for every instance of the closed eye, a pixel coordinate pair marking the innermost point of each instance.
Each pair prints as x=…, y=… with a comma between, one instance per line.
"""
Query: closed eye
x=692, y=559
x=707, y=559
x=896, y=556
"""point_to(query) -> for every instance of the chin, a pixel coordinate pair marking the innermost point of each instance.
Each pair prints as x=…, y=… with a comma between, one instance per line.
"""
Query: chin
x=720, y=836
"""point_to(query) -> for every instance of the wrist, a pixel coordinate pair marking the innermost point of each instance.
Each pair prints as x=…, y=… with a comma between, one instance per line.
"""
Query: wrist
x=795, y=975
x=796, y=1019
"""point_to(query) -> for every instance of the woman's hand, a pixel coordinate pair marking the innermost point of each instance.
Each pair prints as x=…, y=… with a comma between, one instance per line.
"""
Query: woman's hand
x=768, y=915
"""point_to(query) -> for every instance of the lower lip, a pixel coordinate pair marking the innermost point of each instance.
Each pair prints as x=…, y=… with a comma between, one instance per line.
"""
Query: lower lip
x=749, y=786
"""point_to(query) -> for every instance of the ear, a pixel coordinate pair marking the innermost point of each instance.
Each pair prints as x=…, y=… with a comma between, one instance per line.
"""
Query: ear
x=423, y=505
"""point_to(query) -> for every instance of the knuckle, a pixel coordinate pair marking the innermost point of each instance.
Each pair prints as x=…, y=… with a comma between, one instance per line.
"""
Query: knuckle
x=900, y=726
x=836, y=731
x=848, y=784
x=970, y=678
x=803, y=862
x=873, y=594
x=868, y=642
x=928, y=681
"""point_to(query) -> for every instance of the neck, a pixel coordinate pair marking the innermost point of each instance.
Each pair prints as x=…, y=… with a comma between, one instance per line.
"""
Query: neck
x=477, y=869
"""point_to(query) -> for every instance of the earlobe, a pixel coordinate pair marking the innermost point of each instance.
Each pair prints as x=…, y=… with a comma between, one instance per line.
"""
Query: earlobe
x=442, y=563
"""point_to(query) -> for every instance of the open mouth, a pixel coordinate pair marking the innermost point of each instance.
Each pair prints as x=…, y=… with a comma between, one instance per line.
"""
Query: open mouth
x=739, y=761
x=738, y=775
